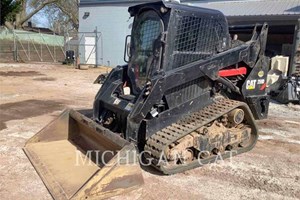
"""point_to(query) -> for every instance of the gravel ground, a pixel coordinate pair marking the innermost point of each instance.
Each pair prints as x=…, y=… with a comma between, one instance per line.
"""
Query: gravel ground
x=31, y=95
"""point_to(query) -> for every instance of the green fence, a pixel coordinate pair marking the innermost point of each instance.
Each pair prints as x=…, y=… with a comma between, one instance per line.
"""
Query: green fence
x=18, y=45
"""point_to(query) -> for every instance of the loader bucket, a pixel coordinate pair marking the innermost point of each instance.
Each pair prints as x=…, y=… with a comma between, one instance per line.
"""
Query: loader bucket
x=78, y=159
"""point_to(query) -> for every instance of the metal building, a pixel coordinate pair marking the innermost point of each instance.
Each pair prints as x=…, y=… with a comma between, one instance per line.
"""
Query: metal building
x=111, y=21
x=282, y=16
x=103, y=26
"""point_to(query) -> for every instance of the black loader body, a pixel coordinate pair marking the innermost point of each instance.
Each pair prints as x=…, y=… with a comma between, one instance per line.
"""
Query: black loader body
x=177, y=56
x=188, y=94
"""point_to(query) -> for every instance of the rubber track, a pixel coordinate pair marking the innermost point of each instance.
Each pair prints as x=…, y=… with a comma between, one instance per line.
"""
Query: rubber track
x=159, y=141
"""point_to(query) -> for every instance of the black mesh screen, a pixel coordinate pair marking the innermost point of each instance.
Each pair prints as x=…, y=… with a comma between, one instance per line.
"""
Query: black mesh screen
x=196, y=38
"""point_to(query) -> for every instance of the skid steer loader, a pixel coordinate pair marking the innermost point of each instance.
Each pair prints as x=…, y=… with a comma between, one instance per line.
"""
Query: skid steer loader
x=188, y=94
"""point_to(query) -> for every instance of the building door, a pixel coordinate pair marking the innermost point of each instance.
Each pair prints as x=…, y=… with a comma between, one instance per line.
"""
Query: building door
x=90, y=50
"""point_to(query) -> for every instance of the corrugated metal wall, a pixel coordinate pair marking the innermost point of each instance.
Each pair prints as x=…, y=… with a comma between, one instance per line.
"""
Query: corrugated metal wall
x=112, y=20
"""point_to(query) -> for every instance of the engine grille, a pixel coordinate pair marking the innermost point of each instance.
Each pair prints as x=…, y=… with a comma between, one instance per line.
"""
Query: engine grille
x=195, y=36
x=196, y=39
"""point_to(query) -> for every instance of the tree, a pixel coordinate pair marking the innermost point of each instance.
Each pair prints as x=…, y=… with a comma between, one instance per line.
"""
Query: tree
x=63, y=15
x=68, y=7
x=58, y=21
x=8, y=11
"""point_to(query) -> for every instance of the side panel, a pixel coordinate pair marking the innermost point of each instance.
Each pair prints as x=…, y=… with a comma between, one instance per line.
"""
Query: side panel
x=254, y=89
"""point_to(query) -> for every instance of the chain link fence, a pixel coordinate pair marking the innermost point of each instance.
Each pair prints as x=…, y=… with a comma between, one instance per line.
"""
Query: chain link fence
x=25, y=46
x=87, y=47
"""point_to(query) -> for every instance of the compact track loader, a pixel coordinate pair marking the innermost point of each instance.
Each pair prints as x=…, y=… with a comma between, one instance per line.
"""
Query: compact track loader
x=188, y=94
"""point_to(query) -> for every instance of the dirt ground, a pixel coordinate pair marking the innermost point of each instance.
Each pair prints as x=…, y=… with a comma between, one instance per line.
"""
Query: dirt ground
x=31, y=95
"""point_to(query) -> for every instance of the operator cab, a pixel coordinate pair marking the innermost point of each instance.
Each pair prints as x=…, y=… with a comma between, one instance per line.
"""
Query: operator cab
x=145, y=48
x=167, y=36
